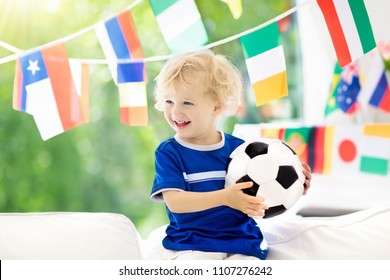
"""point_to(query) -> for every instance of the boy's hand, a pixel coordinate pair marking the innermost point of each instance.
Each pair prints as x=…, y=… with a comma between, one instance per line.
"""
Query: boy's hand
x=237, y=199
x=307, y=173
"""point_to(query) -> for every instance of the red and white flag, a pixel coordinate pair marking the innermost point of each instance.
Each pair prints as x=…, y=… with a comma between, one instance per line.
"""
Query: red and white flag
x=51, y=89
x=346, y=152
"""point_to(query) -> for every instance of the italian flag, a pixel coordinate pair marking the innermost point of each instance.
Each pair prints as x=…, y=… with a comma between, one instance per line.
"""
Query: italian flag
x=180, y=23
x=349, y=27
x=265, y=62
x=375, y=155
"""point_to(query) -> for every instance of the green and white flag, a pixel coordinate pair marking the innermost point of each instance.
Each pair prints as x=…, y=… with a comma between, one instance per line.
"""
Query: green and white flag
x=180, y=23
x=349, y=27
x=264, y=58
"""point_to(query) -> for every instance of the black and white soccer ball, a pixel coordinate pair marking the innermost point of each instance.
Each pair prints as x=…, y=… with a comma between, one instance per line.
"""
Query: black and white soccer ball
x=275, y=170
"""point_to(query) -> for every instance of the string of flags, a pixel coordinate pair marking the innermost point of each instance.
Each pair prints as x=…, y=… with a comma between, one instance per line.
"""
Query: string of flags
x=60, y=108
x=332, y=149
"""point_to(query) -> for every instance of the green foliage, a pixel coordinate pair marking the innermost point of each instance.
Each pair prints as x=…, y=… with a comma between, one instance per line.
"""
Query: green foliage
x=102, y=166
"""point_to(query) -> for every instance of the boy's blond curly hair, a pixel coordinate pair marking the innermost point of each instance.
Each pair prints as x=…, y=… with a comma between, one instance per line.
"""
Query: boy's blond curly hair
x=220, y=77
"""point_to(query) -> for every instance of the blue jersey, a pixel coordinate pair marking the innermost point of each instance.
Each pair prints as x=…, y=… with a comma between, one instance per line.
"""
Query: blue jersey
x=187, y=167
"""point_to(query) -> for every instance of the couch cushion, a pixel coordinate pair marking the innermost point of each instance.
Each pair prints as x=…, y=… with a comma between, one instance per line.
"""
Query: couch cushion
x=361, y=235
x=60, y=236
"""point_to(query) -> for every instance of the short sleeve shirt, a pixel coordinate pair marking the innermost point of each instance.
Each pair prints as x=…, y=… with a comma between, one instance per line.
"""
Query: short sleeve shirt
x=187, y=167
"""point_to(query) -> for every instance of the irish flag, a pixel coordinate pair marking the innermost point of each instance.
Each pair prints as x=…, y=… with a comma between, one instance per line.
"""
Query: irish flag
x=180, y=24
x=265, y=62
x=349, y=27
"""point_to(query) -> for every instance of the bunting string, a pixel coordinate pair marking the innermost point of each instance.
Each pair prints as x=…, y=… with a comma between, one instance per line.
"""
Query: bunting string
x=36, y=70
x=17, y=52
x=9, y=47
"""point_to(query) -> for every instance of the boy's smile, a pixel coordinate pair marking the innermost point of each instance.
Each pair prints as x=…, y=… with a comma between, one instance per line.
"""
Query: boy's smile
x=182, y=124
x=192, y=114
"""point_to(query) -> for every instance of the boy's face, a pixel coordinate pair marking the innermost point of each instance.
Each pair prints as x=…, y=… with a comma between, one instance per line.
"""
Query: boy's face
x=192, y=114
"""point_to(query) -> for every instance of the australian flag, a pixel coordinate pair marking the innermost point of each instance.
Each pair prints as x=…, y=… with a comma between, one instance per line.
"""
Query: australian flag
x=348, y=89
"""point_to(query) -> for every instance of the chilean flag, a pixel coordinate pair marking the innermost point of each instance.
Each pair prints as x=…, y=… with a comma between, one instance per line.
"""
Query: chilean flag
x=119, y=40
x=45, y=88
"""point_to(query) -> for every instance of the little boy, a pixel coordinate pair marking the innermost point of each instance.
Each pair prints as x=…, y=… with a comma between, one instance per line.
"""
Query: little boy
x=206, y=220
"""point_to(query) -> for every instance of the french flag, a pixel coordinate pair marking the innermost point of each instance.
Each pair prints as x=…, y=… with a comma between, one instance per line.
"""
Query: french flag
x=119, y=40
x=132, y=94
x=45, y=87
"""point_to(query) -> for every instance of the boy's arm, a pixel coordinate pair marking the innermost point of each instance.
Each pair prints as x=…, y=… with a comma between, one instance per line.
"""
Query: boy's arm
x=233, y=196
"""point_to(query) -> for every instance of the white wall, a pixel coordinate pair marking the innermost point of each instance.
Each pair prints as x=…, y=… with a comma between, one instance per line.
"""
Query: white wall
x=318, y=54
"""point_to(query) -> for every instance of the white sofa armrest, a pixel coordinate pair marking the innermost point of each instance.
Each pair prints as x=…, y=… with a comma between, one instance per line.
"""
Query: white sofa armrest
x=69, y=235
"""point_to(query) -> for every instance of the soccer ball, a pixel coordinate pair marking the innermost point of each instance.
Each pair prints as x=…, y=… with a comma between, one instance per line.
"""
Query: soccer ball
x=275, y=170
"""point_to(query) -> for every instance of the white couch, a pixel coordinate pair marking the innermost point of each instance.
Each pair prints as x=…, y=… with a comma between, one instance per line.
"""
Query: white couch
x=107, y=236
x=67, y=236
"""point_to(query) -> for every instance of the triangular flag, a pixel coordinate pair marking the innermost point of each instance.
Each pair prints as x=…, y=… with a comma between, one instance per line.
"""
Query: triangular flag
x=264, y=58
x=180, y=23
x=132, y=94
x=119, y=40
x=49, y=88
x=376, y=89
x=349, y=27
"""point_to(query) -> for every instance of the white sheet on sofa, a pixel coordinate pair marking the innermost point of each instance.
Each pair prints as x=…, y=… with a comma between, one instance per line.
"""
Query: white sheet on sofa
x=361, y=235
x=61, y=236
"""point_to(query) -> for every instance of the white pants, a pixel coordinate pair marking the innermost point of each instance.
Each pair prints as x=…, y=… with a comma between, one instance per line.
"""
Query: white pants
x=199, y=255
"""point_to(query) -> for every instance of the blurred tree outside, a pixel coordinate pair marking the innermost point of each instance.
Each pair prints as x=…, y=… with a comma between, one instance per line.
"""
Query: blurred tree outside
x=104, y=166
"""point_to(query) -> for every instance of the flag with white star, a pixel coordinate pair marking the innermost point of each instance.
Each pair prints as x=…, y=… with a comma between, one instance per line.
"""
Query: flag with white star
x=48, y=88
